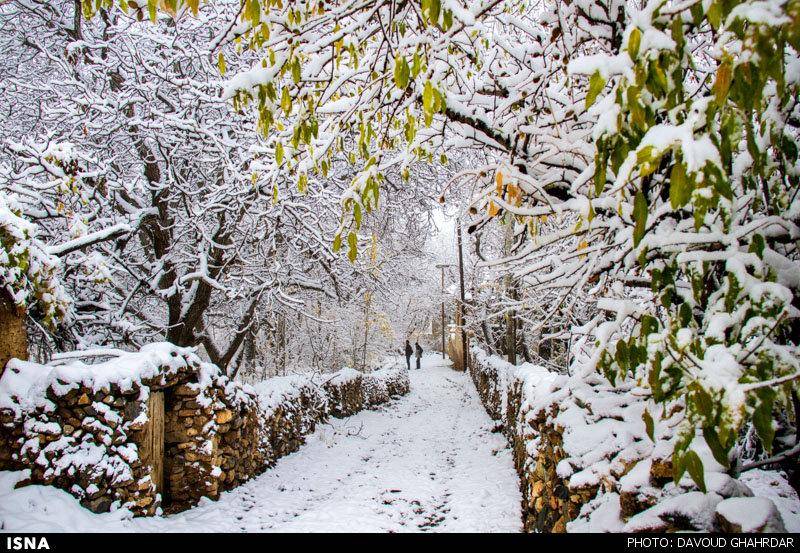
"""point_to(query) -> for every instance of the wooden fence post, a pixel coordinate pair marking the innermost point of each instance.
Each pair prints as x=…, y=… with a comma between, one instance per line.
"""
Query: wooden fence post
x=13, y=336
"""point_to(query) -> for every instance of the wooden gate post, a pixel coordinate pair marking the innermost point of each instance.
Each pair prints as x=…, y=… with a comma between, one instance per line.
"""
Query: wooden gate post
x=13, y=337
x=152, y=447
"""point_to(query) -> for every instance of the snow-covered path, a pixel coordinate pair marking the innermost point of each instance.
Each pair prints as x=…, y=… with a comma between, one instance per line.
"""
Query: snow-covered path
x=426, y=462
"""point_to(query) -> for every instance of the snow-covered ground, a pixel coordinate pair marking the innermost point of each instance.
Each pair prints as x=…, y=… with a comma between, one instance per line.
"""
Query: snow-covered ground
x=426, y=462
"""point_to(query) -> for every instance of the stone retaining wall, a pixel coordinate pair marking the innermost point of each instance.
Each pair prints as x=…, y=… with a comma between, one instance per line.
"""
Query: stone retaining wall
x=581, y=449
x=82, y=428
x=548, y=504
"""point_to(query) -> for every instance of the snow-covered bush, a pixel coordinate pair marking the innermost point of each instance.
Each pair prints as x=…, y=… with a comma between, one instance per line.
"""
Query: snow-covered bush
x=696, y=171
x=28, y=273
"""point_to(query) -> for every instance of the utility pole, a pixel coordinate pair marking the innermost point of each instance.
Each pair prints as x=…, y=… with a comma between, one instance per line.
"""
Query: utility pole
x=443, y=343
x=442, y=267
x=367, y=302
x=463, y=298
x=511, y=319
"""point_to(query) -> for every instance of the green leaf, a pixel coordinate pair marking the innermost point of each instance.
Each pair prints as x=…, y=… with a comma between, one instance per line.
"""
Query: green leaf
x=286, y=101
x=434, y=7
x=279, y=152
x=678, y=466
x=296, y=72
x=722, y=83
x=697, y=12
x=428, y=102
x=599, y=175
x=654, y=378
x=447, y=20
x=640, y=217
x=762, y=418
x=416, y=65
x=757, y=245
x=680, y=187
x=337, y=243
x=253, y=12
x=596, y=84
x=401, y=72
x=695, y=468
x=714, y=15
x=221, y=63
x=634, y=41
x=621, y=355
x=352, y=241
x=717, y=450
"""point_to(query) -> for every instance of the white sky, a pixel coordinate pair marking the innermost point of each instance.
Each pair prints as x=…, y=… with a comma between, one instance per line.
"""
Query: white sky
x=442, y=242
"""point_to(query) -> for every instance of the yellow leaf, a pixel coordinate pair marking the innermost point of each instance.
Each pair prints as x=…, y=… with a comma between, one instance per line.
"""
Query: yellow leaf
x=498, y=179
x=168, y=7
x=722, y=83
x=493, y=209
x=221, y=63
x=513, y=193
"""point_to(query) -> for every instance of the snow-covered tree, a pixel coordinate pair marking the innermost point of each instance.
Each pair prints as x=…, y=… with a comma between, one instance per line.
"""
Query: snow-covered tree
x=645, y=155
x=148, y=187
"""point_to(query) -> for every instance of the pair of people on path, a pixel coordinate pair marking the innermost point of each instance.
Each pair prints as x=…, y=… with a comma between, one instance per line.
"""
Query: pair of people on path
x=409, y=351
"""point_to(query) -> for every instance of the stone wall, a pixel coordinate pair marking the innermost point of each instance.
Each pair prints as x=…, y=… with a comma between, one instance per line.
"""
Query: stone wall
x=548, y=503
x=345, y=393
x=580, y=449
x=82, y=428
x=81, y=432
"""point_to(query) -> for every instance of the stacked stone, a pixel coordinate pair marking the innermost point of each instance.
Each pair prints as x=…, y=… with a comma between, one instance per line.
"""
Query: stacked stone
x=216, y=434
x=286, y=424
x=397, y=383
x=486, y=379
x=345, y=393
x=380, y=386
x=86, y=443
x=12, y=436
x=376, y=390
x=191, y=450
x=241, y=437
x=548, y=503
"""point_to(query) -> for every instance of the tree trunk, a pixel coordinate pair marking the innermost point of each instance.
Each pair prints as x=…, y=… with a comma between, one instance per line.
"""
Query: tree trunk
x=13, y=338
x=281, y=358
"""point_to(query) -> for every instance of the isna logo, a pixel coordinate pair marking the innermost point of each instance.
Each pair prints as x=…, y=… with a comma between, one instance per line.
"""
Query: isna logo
x=25, y=543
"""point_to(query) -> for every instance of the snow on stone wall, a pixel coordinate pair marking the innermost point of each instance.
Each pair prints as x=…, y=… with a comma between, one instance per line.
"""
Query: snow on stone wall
x=586, y=463
x=81, y=427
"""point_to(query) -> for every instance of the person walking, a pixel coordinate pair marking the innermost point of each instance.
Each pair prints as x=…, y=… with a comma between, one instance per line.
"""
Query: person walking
x=419, y=353
x=409, y=351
